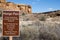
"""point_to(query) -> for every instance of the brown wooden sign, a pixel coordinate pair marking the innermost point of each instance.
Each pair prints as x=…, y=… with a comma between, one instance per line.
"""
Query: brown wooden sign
x=10, y=23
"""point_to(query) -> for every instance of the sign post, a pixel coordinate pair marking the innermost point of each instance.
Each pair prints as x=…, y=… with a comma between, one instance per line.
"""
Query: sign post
x=10, y=38
x=10, y=23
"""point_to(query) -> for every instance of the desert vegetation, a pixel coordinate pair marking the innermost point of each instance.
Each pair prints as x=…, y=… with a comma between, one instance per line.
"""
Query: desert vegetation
x=36, y=27
x=39, y=31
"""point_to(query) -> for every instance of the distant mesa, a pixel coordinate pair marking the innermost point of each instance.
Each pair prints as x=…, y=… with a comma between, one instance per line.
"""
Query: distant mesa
x=50, y=13
x=12, y=6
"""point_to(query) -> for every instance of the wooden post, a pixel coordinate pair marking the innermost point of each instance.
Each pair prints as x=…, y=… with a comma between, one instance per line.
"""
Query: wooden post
x=10, y=38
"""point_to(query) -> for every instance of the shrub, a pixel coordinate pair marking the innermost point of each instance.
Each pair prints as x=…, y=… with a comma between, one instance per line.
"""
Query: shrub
x=0, y=15
x=42, y=18
x=23, y=14
x=47, y=36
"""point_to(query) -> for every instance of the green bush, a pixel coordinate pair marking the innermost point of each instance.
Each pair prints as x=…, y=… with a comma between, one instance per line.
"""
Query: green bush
x=23, y=14
x=43, y=18
x=0, y=15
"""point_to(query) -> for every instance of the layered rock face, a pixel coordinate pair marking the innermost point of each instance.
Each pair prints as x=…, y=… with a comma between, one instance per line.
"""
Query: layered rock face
x=24, y=8
x=2, y=1
x=12, y=6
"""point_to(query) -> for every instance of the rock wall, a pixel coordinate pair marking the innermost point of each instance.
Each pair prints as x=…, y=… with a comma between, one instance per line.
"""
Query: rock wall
x=25, y=8
x=2, y=1
x=12, y=6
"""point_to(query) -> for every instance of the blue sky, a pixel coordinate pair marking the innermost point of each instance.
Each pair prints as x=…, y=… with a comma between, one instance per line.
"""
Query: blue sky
x=40, y=5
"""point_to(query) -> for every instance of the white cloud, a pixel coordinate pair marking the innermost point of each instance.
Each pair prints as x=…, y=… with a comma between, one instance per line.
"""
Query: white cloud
x=50, y=9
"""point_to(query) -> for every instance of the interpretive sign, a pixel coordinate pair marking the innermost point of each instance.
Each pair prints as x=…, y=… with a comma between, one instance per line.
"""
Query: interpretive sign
x=10, y=23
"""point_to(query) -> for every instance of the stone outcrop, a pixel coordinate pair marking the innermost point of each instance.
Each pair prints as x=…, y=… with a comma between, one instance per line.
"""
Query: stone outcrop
x=24, y=8
x=2, y=1
x=12, y=6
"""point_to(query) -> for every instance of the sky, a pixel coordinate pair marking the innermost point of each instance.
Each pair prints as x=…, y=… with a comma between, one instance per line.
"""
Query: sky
x=40, y=5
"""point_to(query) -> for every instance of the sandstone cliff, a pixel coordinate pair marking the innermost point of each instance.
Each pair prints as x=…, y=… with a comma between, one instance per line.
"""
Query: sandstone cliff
x=12, y=6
